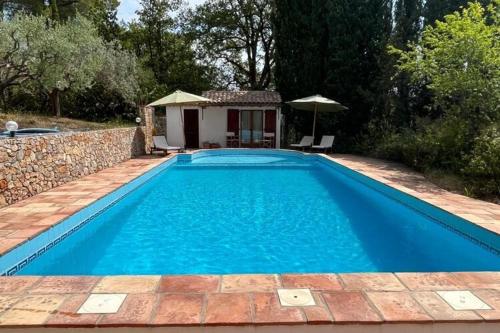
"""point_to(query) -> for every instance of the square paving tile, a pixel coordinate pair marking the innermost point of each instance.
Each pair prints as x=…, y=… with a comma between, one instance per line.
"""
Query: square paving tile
x=127, y=284
x=311, y=281
x=102, y=303
x=268, y=310
x=228, y=309
x=463, y=300
x=398, y=306
x=189, y=283
x=16, y=284
x=249, y=283
x=31, y=310
x=350, y=307
x=136, y=310
x=296, y=297
x=6, y=301
x=480, y=280
x=65, y=285
x=179, y=309
x=430, y=281
x=372, y=281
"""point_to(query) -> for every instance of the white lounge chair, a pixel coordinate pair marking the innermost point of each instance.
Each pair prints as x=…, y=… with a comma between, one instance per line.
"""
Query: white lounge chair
x=160, y=143
x=306, y=142
x=325, y=144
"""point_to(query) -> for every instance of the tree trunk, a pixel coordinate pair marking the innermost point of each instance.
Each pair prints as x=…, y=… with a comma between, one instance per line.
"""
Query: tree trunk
x=54, y=10
x=55, y=106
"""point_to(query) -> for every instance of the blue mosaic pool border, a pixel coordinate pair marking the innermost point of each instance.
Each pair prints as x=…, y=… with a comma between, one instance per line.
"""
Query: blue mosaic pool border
x=19, y=257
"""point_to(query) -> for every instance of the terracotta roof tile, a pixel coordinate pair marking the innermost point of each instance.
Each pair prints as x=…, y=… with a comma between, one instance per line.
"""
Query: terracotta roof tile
x=220, y=97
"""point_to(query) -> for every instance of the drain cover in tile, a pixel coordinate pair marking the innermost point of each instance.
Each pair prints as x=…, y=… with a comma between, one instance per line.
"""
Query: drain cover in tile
x=463, y=300
x=296, y=297
x=102, y=303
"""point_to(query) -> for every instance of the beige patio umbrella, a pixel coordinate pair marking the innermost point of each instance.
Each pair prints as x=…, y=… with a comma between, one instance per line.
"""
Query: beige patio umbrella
x=180, y=98
x=316, y=103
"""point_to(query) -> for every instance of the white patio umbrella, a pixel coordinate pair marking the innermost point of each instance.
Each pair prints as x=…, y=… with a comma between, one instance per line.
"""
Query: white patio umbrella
x=180, y=98
x=316, y=103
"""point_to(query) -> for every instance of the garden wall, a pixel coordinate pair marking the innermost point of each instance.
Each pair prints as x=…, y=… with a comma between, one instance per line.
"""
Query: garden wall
x=30, y=165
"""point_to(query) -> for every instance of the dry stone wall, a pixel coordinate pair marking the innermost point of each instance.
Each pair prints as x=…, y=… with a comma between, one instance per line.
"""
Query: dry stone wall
x=30, y=165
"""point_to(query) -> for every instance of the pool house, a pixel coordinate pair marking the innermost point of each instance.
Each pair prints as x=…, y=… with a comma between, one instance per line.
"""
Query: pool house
x=246, y=119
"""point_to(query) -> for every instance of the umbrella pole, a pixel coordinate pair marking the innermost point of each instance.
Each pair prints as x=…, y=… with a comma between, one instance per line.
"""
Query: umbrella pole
x=314, y=121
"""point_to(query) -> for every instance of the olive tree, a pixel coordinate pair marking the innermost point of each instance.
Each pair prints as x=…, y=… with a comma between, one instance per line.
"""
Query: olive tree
x=19, y=56
x=76, y=56
x=63, y=56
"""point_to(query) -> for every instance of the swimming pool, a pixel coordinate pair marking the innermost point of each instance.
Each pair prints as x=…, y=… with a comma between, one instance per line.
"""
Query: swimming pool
x=255, y=211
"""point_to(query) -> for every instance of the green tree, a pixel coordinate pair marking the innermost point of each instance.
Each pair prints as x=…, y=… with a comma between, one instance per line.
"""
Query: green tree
x=359, y=32
x=406, y=99
x=104, y=15
x=56, y=10
x=437, y=9
x=334, y=48
x=19, y=59
x=63, y=57
x=459, y=59
x=165, y=51
x=157, y=22
x=237, y=34
x=75, y=57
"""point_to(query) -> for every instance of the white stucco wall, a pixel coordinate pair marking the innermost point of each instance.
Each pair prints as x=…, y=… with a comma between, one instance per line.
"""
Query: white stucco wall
x=175, y=135
x=212, y=124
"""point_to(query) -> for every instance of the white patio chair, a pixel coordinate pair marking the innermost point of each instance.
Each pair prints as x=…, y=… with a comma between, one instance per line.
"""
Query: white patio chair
x=160, y=143
x=268, y=140
x=325, y=144
x=306, y=142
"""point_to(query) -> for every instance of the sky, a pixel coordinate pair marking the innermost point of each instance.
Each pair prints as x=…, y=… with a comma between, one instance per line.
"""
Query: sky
x=126, y=11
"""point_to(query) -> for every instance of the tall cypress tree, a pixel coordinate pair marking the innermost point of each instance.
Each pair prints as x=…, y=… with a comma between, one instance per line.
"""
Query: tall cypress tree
x=336, y=48
x=294, y=51
x=359, y=31
x=407, y=28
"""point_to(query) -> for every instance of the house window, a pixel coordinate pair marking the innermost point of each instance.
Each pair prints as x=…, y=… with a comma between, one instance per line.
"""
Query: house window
x=251, y=127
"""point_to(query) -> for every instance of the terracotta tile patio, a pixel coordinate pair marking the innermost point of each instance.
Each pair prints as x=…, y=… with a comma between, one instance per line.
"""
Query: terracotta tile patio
x=229, y=300
x=179, y=307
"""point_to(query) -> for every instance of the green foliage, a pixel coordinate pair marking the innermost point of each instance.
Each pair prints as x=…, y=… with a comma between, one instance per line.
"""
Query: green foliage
x=103, y=14
x=52, y=58
x=74, y=55
x=166, y=54
x=458, y=61
x=238, y=35
x=19, y=42
x=337, y=49
x=438, y=9
x=484, y=161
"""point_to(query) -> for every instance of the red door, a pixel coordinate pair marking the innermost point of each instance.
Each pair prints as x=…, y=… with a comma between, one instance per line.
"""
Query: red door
x=191, y=128
x=270, y=123
x=233, y=121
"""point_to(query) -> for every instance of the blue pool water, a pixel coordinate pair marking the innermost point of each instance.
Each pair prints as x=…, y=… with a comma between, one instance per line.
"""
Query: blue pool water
x=251, y=213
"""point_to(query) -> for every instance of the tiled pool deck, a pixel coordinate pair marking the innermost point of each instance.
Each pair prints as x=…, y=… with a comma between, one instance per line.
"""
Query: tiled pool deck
x=197, y=302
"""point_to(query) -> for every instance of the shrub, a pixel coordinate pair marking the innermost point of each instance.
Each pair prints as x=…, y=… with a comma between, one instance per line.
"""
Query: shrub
x=483, y=168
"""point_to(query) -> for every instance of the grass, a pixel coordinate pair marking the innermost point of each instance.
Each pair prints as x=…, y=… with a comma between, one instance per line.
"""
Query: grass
x=27, y=120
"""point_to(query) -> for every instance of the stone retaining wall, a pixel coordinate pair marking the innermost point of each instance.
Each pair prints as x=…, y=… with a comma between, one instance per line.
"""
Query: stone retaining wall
x=30, y=165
